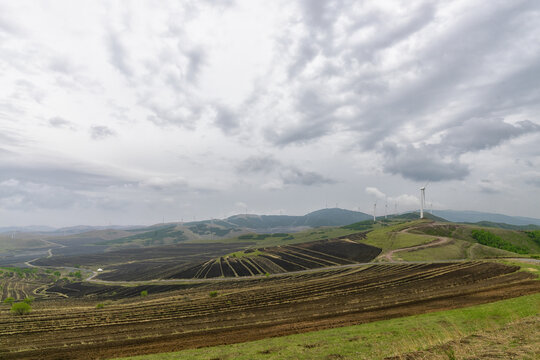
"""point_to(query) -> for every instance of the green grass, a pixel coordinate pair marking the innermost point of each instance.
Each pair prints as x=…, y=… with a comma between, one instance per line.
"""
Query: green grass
x=241, y=254
x=159, y=236
x=389, y=238
x=454, y=250
x=514, y=239
x=533, y=268
x=478, y=251
x=19, y=271
x=374, y=340
x=19, y=242
x=292, y=238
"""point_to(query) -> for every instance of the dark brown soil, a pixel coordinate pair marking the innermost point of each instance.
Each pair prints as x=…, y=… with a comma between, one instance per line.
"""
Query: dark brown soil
x=255, y=309
x=285, y=258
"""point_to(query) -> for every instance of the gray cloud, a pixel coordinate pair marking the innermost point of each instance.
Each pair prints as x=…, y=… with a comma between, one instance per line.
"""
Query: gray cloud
x=99, y=132
x=16, y=195
x=489, y=187
x=315, y=119
x=67, y=176
x=62, y=65
x=226, y=119
x=178, y=114
x=480, y=134
x=306, y=178
x=421, y=164
x=10, y=138
x=258, y=164
x=118, y=54
x=7, y=25
x=196, y=61
x=440, y=161
x=288, y=174
x=58, y=122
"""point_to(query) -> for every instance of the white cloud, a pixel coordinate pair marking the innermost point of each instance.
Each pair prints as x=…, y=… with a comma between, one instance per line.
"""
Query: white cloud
x=375, y=192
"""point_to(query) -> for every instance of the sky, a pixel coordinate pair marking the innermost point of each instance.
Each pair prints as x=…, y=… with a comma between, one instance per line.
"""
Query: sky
x=137, y=112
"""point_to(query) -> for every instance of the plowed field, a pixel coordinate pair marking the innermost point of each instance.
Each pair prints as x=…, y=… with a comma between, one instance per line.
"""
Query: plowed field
x=254, y=309
x=281, y=259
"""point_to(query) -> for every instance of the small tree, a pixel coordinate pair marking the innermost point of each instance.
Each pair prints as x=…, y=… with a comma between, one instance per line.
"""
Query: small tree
x=29, y=299
x=21, y=308
x=144, y=293
x=57, y=273
x=9, y=300
x=100, y=306
x=213, y=293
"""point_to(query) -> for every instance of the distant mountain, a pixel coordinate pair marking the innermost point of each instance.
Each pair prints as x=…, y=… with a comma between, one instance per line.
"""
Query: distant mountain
x=505, y=226
x=476, y=216
x=334, y=217
x=324, y=217
x=26, y=229
x=414, y=216
x=79, y=229
x=72, y=230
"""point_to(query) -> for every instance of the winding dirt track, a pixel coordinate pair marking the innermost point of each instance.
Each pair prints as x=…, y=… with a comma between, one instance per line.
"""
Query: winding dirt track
x=251, y=310
x=389, y=256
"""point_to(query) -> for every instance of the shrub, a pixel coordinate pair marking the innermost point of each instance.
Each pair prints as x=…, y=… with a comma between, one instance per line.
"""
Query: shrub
x=144, y=293
x=534, y=235
x=100, y=306
x=29, y=299
x=9, y=300
x=21, y=308
x=57, y=273
x=213, y=294
x=76, y=274
x=489, y=239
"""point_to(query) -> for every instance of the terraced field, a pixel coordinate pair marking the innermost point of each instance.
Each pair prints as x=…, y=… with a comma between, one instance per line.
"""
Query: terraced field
x=282, y=259
x=241, y=310
x=20, y=284
x=139, y=264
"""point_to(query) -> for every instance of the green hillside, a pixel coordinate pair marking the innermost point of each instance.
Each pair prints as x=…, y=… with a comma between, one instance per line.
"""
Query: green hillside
x=514, y=241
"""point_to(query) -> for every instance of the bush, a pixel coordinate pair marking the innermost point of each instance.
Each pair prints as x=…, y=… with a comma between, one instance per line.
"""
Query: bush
x=144, y=293
x=9, y=300
x=534, y=235
x=246, y=237
x=57, y=273
x=213, y=294
x=29, y=299
x=489, y=239
x=76, y=274
x=100, y=306
x=21, y=308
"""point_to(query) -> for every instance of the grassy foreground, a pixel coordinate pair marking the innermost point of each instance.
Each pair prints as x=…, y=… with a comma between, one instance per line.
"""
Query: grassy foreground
x=374, y=340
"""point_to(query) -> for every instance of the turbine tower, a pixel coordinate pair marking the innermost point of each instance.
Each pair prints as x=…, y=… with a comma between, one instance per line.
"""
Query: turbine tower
x=374, y=212
x=423, y=199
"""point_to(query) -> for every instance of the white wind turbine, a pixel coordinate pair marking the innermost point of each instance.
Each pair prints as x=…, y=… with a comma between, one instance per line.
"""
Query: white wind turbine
x=423, y=199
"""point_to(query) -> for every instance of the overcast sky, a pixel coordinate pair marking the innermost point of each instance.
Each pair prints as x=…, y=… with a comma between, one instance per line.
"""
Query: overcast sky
x=128, y=112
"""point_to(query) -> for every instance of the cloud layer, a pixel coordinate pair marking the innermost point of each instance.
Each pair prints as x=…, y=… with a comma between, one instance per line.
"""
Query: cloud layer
x=185, y=109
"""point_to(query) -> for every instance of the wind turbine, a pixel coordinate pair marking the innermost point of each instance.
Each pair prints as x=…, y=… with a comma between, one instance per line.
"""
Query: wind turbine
x=423, y=199
x=374, y=212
